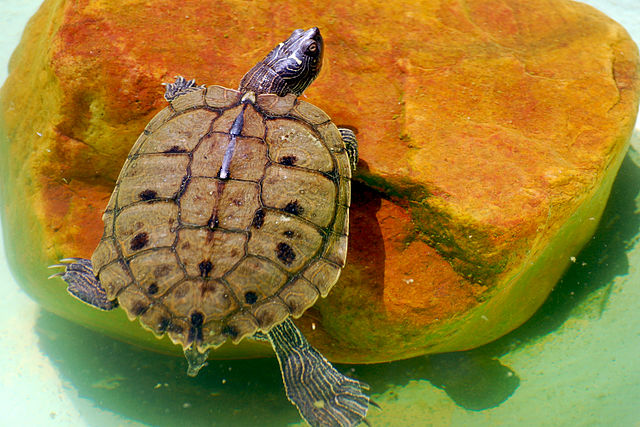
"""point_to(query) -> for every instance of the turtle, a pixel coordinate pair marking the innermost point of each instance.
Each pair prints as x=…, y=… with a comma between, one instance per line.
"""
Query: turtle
x=230, y=218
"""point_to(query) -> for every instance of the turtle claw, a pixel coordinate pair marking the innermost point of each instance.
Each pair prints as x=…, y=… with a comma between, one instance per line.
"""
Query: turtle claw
x=58, y=266
x=70, y=260
x=58, y=274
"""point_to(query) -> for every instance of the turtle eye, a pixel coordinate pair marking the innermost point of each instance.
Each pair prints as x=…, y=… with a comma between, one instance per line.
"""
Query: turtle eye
x=312, y=49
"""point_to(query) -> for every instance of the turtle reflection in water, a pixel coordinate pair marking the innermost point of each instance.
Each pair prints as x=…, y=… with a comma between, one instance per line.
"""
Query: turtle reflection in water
x=230, y=216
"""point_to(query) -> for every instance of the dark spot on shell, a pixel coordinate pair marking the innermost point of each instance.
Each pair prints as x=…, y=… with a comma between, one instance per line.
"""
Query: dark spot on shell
x=164, y=324
x=288, y=233
x=197, y=318
x=177, y=329
x=139, y=308
x=147, y=195
x=153, y=289
x=293, y=208
x=230, y=331
x=250, y=297
x=258, y=218
x=213, y=222
x=288, y=160
x=139, y=241
x=195, y=332
x=205, y=268
x=285, y=253
x=176, y=149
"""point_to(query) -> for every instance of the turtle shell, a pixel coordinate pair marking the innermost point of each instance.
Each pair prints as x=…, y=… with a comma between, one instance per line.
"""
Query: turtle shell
x=196, y=256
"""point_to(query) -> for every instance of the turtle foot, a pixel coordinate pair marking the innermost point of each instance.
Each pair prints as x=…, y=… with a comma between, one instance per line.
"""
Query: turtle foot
x=324, y=397
x=82, y=283
x=351, y=145
x=179, y=87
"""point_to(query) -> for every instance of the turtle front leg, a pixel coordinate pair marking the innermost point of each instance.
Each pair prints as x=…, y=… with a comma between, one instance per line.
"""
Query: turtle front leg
x=351, y=144
x=180, y=87
x=324, y=397
x=83, y=284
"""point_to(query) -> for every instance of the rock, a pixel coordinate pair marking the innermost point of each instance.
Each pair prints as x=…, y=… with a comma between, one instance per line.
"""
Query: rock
x=490, y=133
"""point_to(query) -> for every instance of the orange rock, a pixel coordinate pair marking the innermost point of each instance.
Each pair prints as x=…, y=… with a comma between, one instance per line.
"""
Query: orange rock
x=490, y=133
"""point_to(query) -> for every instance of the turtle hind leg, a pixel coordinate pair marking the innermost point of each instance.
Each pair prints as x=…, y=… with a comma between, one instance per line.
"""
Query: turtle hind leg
x=83, y=284
x=179, y=87
x=324, y=397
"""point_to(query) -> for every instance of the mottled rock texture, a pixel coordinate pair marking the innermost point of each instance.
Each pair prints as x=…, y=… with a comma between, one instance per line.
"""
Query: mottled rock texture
x=490, y=133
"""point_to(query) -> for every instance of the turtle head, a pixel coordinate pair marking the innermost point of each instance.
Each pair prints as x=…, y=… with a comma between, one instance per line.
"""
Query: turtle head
x=290, y=67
